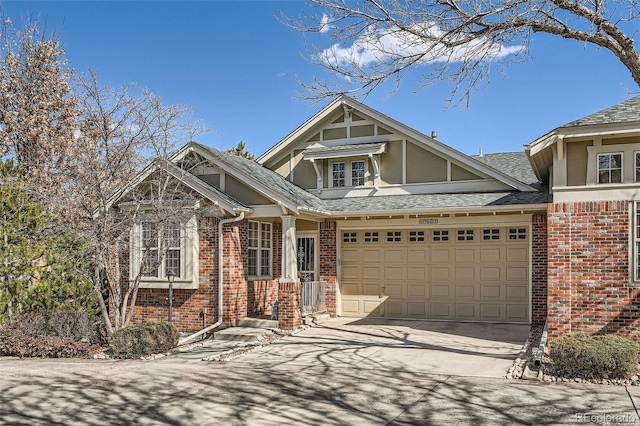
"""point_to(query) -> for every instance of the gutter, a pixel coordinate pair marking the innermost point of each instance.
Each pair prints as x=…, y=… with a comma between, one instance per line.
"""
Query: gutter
x=220, y=279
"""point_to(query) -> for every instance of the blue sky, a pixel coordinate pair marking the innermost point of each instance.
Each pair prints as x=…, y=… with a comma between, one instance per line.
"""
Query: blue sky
x=235, y=63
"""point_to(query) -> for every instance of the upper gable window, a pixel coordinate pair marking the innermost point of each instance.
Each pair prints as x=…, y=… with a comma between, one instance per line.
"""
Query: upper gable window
x=338, y=175
x=610, y=168
x=357, y=173
x=353, y=173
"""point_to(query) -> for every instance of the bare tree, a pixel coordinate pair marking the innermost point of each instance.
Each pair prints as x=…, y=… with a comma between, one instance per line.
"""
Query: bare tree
x=38, y=113
x=378, y=41
x=120, y=132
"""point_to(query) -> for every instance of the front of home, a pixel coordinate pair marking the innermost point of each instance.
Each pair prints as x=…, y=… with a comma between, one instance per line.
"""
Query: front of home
x=400, y=225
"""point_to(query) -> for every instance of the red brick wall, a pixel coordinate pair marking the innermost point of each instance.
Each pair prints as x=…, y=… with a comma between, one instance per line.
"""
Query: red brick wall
x=234, y=269
x=539, y=269
x=328, y=259
x=289, y=308
x=188, y=305
x=588, y=274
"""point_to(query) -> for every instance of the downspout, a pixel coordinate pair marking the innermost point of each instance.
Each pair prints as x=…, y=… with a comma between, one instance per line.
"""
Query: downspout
x=220, y=279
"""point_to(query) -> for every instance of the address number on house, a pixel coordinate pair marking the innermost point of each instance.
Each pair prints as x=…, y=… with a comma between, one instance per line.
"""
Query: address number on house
x=428, y=221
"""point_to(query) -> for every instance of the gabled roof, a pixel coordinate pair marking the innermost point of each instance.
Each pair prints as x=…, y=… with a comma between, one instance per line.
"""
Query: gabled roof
x=209, y=192
x=514, y=164
x=347, y=102
x=263, y=180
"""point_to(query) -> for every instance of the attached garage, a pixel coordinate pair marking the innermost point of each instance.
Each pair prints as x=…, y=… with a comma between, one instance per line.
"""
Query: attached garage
x=457, y=273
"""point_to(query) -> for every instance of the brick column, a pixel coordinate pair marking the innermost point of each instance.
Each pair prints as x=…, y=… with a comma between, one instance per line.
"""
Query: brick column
x=290, y=306
x=539, y=269
x=328, y=263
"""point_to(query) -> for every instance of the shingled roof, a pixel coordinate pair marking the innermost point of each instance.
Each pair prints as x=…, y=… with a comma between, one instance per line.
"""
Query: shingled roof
x=514, y=164
x=624, y=112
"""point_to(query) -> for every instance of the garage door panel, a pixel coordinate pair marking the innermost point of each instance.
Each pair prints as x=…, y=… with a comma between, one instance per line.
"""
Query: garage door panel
x=491, y=312
x=418, y=290
x=465, y=255
x=441, y=310
x=441, y=255
x=465, y=272
x=491, y=254
x=395, y=255
x=517, y=254
x=417, y=255
x=476, y=278
x=491, y=273
x=517, y=273
x=394, y=290
x=492, y=291
x=417, y=310
x=394, y=308
x=441, y=291
x=465, y=310
x=394, y=273
x=417, y=272
x=371, y=289
x=371, y=272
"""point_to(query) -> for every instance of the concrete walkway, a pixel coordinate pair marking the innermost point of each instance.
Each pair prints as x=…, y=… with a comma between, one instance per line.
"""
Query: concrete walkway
x=314, y=378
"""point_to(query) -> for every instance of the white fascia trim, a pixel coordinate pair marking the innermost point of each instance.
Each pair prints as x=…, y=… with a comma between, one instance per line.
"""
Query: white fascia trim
x=347, y=152
x=582, y=132
x=445, y=211
x=257, y=185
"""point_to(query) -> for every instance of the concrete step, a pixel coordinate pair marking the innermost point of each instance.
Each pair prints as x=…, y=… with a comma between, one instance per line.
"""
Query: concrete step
x=241, y=334
x=316, y=319
x=256, y=323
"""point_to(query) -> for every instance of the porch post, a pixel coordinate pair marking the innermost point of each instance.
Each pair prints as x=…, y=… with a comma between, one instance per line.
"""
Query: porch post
x=289, y=291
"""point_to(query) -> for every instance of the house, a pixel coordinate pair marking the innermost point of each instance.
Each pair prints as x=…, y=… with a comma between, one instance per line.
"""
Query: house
x=400, y=225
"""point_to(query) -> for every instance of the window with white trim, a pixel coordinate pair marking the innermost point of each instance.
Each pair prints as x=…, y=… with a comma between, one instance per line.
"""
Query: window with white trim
x=637, y=165
x=345, y=174
x=610, y=168
x=259, y=249
x=158, y=248
x=338, y=175
x=161, y=249
x=358, y=172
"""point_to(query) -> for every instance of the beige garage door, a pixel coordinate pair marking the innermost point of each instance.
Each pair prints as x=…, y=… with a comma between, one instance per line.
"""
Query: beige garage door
x=479, y=274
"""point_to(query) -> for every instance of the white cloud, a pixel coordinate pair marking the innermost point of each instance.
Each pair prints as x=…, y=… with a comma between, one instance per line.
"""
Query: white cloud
x=324, y=24
x=377, y=46
x=281, y=74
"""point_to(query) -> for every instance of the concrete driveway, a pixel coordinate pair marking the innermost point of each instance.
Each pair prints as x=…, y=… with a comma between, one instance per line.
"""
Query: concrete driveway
x=449, y=348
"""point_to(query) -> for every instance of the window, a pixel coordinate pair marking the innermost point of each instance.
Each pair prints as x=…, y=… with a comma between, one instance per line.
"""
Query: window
x=491, y=234
x=637, y=166
x=357, y=173
x=371, y=237
x=161, y=250
x=440, y=236
x=344, y=174
x=349, y=237
x=259, y=261
x=465, y=234
x=394, y=236
x=517, y=234
x=338, y=175
x=416, y=236
x=610, y=168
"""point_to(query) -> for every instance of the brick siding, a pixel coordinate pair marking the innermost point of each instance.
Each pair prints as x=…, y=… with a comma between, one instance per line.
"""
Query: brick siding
x=588, y=273
x=328, y=263
x=539, y=269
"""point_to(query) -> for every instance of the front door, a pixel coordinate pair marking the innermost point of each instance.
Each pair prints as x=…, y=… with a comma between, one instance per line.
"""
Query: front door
x=306, y=258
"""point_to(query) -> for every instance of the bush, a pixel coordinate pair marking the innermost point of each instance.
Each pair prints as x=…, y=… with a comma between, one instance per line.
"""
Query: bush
x=144, y=339
x=594, y=357
x=13, y=342
x=77, y=325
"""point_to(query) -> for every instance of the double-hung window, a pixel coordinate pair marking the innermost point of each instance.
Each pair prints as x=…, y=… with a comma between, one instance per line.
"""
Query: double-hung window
x=338, y=175
x=161, y=250
x=636, y=244
x=357, y=173
x=610, y=168
x=259, y=262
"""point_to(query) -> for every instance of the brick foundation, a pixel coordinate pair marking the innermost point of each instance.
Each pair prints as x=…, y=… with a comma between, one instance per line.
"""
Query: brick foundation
x=290, y=306
x=588, y=273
